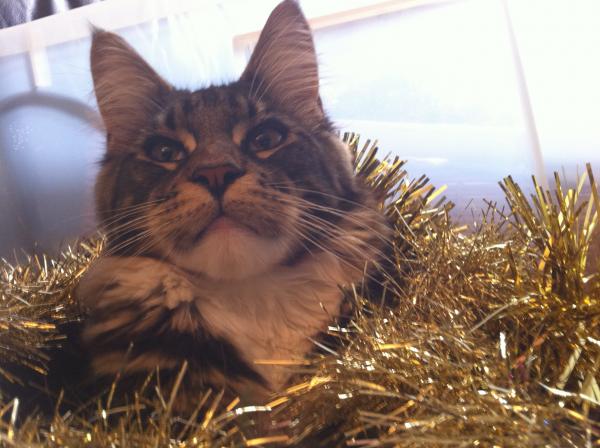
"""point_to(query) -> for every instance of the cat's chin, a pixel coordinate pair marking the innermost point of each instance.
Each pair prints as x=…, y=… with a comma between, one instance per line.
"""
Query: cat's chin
x=230, y=252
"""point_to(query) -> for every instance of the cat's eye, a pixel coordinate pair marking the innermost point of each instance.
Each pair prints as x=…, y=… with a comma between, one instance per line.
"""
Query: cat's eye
x=167, y=154
x=266, y=138
x=164, y=151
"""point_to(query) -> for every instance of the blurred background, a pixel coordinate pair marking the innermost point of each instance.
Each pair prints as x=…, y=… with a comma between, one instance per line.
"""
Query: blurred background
x=468, y=91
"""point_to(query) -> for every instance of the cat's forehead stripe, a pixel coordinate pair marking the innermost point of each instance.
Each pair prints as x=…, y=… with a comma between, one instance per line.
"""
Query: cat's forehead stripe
x=207, y=110
x=169, y=119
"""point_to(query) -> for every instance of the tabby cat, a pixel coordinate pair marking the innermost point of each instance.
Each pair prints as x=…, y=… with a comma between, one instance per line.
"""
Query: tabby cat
x=232, y=216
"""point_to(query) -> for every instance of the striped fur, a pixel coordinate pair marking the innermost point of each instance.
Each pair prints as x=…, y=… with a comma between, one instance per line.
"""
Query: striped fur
x=222, y=277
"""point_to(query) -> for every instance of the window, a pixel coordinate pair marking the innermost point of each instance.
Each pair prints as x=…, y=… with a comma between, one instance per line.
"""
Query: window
x=436, y=82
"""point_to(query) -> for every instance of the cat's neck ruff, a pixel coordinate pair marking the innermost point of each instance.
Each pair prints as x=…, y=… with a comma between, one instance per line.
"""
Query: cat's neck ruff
x=268, y=318
x=272, y=317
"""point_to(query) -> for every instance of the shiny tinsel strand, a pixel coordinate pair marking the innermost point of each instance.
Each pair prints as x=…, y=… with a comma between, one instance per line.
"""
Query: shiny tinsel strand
x=35, y=297
x=493, y=339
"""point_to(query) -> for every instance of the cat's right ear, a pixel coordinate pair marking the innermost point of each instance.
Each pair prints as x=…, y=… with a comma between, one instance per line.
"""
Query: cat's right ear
x=128, y=91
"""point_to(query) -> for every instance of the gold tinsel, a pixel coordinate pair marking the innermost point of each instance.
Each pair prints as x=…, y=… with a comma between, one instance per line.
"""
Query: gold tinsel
x=493, y=340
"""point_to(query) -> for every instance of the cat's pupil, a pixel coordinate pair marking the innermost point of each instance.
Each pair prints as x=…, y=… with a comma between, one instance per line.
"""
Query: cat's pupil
x=166, y=153
x=263, y=141
x=267, y=140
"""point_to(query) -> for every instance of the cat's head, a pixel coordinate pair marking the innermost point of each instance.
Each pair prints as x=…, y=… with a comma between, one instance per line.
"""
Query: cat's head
x=228, y=180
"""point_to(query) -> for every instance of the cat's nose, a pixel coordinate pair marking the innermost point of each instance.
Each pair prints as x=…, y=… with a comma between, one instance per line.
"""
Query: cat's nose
x=217, y=178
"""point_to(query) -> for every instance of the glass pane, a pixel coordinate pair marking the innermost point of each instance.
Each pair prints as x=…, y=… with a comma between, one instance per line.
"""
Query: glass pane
x=435, y=86
x=560, y=56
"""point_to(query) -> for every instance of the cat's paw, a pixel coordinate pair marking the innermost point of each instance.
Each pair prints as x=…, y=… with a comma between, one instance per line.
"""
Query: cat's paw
x=128, y=297
x=112, y=280
x=177, y=290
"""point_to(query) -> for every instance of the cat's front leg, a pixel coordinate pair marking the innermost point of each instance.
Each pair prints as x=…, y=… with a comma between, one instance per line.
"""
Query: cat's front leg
x=130, y=301
x=143, y=313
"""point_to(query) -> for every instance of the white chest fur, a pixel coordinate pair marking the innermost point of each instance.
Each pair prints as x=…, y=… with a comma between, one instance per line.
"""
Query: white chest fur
x=268, y=317
x=272, y=317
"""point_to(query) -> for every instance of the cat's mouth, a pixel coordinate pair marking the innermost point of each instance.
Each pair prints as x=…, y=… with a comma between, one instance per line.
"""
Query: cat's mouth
x=240, y=241
x=224, y=226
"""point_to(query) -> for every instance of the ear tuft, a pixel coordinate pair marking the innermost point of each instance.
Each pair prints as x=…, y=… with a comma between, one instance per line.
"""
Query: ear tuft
x=128, y=90
x=283, y=66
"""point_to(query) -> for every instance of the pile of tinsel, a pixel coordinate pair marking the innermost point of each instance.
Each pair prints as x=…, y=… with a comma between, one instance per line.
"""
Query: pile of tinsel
x=494, y=340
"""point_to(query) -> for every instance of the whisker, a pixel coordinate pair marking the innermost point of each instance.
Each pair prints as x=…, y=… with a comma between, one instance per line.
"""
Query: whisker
x=333, y=233
x=141, y=237
x=124, y=227
x=89, y=226
x=134, y=224
x=129, y=212
x=304, y=205
x=340, y=259
x=147, y=230
x=128, y=242
x=311, y=223
x=322, y=193
x=336, y=212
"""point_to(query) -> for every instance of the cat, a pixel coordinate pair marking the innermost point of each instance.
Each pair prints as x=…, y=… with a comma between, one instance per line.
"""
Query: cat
x=232, y=216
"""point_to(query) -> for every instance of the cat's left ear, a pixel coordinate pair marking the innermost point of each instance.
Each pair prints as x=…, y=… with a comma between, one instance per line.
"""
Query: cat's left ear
x=283, y=66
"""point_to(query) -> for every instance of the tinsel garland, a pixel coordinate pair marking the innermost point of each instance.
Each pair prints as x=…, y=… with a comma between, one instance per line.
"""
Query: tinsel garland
x=493, y=340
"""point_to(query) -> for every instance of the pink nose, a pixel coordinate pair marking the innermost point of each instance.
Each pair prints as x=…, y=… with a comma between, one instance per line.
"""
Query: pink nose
x=217, y=178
